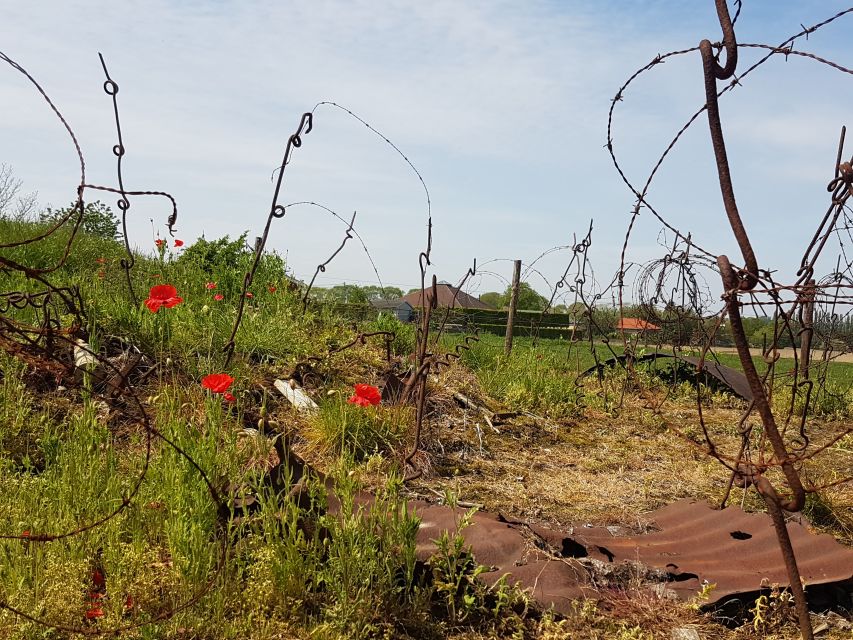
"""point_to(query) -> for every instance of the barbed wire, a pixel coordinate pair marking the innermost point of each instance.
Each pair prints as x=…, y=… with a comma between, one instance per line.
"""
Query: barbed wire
x=672, y=283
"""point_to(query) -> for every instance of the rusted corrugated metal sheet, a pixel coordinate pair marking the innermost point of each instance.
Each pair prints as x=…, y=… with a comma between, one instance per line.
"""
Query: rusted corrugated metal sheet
x=732, y=378
x=692, y=543
x=506, y=547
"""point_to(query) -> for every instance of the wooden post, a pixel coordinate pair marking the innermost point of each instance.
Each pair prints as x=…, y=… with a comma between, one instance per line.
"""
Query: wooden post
x=513, y=304
x=807, y=329
x=258, y=240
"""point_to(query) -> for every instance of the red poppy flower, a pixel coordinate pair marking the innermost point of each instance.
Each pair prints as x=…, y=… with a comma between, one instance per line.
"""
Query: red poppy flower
x=162, y=295
x=98, y=580
x=218, y=297
x=210, y=286
x=229, y=397
x=179, y=243
x=272, y=289
x=101, y=260
x=159, y=242
x=102, y=273
x=217, y=382
x=94, y=612
x=25, y=533
x=365, y=395
x=249, y=294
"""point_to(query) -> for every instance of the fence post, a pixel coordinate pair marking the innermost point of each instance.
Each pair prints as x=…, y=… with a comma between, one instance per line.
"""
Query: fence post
x=258, y=240
x=513, y=303
x=807, y=329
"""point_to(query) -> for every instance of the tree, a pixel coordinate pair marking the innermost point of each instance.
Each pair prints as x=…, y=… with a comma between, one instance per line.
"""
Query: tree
x=603, y=320
x=679, y=325
x=374, y=292
x=212, y=255
x=98, y=219
x=13, y=204
x=492, y=298
x=528, y=298
x=347, y=293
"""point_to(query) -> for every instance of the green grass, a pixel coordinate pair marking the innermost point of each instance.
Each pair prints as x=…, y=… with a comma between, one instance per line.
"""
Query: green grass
x=172, y=560
x=540, y=375
x=178, y=566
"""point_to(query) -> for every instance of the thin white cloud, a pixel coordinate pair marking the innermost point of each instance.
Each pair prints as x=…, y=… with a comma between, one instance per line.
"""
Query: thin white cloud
x=502, y=106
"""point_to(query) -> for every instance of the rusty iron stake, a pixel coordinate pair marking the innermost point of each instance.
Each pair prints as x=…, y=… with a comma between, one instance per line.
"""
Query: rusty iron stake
x=745, y=280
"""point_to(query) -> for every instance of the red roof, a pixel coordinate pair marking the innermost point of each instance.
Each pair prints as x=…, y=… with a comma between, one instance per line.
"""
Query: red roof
x=635, y=324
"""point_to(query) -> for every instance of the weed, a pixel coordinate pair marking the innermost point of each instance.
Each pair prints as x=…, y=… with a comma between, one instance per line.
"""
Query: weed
x=342, y=427
x=772, y=610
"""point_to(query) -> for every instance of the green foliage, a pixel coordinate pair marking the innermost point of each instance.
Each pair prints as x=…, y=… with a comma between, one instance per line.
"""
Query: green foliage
x=405, y=333
x=342, y=427
x=25, y=432
x=350, y=573
x=533, y=379
x=345, y=293
x=98, y=219
x=679, y=326
x=493, y=299
x=374, y=292
x=765, y=335
x=528, y=298
x=465, y=598
x=211, y=256
x=604, y=320
x=227, y=261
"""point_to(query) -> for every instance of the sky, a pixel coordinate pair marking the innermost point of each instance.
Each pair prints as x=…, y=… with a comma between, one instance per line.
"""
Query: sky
x=501, y=106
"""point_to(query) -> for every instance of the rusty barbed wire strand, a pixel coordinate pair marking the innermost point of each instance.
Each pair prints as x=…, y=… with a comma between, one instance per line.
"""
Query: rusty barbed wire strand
x=123, y=203
x=321, y=268
x=747, y=470
x=641, y=194
x=354, y=231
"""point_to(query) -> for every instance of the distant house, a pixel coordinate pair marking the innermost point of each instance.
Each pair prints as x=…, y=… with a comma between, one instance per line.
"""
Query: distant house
x=635, y=325
x=402, y=310
x=447, y=296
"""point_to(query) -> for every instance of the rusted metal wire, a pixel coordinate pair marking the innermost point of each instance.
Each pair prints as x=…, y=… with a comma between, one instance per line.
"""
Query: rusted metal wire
x=351, y=229
x=123, y=203
x=45, y=349
x=789, y=302
x=321, y=268
x=276, y=212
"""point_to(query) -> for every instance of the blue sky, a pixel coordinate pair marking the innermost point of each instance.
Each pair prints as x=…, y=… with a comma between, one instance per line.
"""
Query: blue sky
x=502, y=106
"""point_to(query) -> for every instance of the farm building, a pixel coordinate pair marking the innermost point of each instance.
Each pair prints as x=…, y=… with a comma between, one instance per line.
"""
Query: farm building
x=448, y=296
x=402, y=310
x=635, y=325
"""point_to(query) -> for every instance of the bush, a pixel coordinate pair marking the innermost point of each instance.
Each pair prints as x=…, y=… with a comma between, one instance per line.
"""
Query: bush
x=404, y=334
x=227, y=261
x=98, y=219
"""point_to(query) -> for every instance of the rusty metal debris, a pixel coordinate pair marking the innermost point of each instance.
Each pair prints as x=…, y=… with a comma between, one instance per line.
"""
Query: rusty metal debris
x=777, y=446
x=732, y=378
x=690, y=544
x=276, y=211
